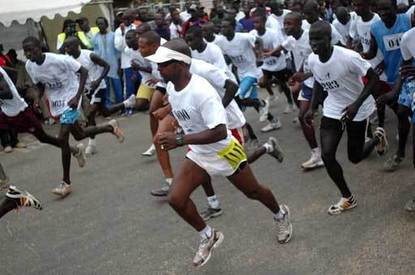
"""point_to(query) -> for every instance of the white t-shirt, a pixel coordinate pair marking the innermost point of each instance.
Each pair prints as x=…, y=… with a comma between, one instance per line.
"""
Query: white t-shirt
x=239, y=15
x=175, y=30
x=197, y=110
x=273, y=23
x=59, y=75
x=410, y=11
x=241, y=51
x=212, y=55
x=360, y=30
x=11, y=107
x=184, y=16
x=408, y=45
x=301, y=50
x=94, y=70
x=341, y=76
x=335, y=35
x=280, y=18
x=120, y=45
x=137, y=58
x=217, y=78
x=270, y=40
x=343, y=30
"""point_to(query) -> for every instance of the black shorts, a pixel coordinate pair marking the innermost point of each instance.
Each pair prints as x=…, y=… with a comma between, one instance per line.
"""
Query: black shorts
x=281, y=76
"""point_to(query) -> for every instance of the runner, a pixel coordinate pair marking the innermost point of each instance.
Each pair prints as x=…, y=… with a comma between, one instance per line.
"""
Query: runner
x=95, y=85
x=56, y=75
x=240, y=48
x=301, y=82
x=213, y=150
x=16, y=199
x=18, y=116
x=385, y=36
x=349, y=103
x=407, y=73
x=273, y=66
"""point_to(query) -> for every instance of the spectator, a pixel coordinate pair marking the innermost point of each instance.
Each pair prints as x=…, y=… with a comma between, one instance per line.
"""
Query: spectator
x=185, y=15
x=232, y=15
x=104, y=48
x=120, y=45
x=220, y=15
x=175, y=25
x=4, y=59
x=87, y=33
x=239, y=14
x=69, y=29
x=247, y=22
x=161, y=26
x=194, y=19
x=137, y=18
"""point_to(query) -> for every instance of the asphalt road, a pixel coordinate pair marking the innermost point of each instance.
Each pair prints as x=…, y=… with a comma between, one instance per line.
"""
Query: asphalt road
x=111, y=225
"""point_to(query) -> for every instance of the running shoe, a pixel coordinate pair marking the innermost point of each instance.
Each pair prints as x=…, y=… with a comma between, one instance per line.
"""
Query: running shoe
x=90, y=150
x=383, y=144
x=23, y=198
x=150, y=151
x=410, y=206
x=21, y=145
x=211, y=213
x=393, y=163
x=206, y=247
x=343, y=205
x=8, y=149
x=273, y=125
x=161, y=192
x=284, y=226
x=80, y=155
x=314, y=162
x=263, y=110
x=62, y=190
x=130, y=102
x=276, y=150
x=117, y=131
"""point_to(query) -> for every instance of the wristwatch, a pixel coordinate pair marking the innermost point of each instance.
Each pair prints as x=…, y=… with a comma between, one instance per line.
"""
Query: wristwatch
x=180, y=139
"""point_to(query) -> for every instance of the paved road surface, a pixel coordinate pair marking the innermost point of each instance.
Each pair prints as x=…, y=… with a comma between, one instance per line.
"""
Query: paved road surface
x=111, y=225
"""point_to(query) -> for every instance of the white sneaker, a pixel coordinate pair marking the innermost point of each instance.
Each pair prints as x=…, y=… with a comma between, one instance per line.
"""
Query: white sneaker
x=263, y=111
x=116, y=130
x=80, y=155
x=296, y=120
x=150, y=151
x=272, y=126
x=90, y=150
x=343, y=205
x=130, y=102
x=8, y=149
x=206, y=247
x=62, y=190
x=284, y=226
x=314, y=162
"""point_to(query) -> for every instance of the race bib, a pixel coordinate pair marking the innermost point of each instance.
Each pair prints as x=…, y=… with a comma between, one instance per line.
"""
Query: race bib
x=234, y=154
x=392, y=42
x=238, y=59
x=54, y=85
x=271, y=62
x=56, y=104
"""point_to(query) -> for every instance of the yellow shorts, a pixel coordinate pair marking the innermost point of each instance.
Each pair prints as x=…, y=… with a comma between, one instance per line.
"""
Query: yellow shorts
x=224, y=163
x=145, y=92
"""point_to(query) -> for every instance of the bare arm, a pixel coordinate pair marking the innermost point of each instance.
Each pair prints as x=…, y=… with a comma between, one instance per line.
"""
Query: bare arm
x=230, y=90
x=373, y=50
x=5, y=92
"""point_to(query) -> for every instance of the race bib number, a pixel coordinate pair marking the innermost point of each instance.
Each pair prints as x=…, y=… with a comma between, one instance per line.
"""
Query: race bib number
x=392, y=42
x=271, y=62
x=58, y=104
x=330, y=85
x=234, y=154
x=238, y=59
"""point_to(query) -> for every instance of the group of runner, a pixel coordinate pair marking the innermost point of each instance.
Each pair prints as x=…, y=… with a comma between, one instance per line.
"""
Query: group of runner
x=197, y=101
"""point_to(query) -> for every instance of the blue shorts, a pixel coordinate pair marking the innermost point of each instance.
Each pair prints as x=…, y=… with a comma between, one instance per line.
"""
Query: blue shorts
x=247, y=88
x=70, y=116
x=406, y=94
x=306, y=93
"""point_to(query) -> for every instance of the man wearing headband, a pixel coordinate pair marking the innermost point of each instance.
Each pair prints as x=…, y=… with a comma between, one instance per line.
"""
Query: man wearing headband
x=213, y=151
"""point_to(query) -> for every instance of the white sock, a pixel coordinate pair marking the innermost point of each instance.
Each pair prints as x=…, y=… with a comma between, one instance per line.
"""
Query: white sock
x=92, y=142
x=213, y=202
x=169, y=181
x=279, y=215
x=316, y=151
x=206, y=232
x=268, y=147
